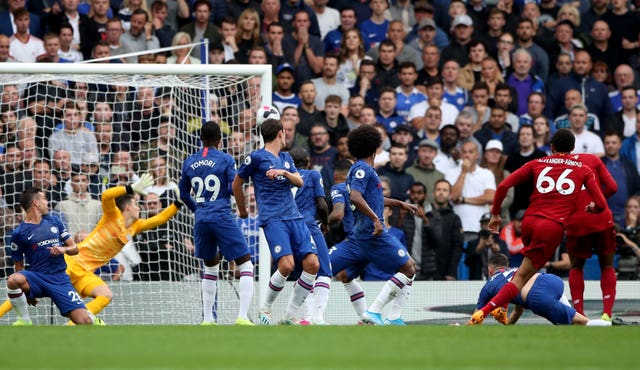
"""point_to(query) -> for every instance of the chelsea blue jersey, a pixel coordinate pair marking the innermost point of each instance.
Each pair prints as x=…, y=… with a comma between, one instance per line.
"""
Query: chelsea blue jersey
x=364, y=179
x=340, y=194
x=307, y=194
x=274, y=198
x=493, y=286
x=33, y=241
x=209, y=173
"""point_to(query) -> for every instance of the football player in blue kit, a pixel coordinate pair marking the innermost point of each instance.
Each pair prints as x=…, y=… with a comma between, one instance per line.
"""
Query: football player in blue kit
x=43, y=240
x=210, y=173
x=310, y=200
x=274, y=173
x=543, y=294
x=371, y=241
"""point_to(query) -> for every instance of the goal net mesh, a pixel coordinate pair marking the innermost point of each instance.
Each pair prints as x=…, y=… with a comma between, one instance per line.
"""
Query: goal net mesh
x=124, y=125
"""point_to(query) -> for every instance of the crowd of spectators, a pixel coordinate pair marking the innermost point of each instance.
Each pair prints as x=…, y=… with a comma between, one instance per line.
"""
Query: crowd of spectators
x=463, y=93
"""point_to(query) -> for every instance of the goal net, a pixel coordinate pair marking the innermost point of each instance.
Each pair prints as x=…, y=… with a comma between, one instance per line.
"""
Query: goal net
x=116, y=122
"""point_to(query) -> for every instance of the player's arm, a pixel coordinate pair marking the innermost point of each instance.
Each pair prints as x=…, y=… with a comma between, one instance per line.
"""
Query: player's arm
x=390, y=202
x=598, y=203
x=70, y=248
x=361, y=205
x=521, y=175
x=18, y=266
x=294, y=178
x=323, y=211
x=184, y=188
x=337, y=214
x=238, y=194
x=157, y=220
x=515, y=315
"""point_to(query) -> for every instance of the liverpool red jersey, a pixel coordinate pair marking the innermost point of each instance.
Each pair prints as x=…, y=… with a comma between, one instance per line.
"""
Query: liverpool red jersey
x=581, y=222
x=557, y=183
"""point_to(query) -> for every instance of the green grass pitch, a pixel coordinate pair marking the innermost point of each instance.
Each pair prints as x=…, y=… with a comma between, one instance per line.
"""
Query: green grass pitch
x=331, y=347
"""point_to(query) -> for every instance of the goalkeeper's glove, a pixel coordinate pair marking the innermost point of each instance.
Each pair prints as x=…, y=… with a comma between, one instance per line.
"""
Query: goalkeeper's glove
x=176, y=193
x=144, y=182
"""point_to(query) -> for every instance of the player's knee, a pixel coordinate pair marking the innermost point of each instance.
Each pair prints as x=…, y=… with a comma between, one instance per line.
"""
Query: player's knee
x=286, y=265
x=409, y=268
x=342, y=276
x=15, y=281
x=310, y=264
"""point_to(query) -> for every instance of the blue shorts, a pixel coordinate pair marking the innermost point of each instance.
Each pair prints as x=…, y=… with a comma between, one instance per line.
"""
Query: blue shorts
x=385, y=252
x=544, y=300
x=55, y=286
x=289, y=237
x=225, y=234
x=347, y=256
x=322, y=249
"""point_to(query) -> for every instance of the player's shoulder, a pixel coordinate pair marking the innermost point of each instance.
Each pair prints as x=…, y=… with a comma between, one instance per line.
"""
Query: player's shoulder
x=52, y=218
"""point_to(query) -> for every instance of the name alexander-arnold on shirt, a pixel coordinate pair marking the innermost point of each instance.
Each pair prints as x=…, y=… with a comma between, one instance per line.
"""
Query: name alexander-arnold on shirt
x=566, y=161
x=203, y=162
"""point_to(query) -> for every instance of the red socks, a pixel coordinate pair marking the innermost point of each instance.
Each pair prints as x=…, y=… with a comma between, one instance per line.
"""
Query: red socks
x=576, y=286
x=608, y=286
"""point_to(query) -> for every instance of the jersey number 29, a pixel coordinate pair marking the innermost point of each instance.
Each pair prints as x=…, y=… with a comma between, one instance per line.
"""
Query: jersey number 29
x=210, y=184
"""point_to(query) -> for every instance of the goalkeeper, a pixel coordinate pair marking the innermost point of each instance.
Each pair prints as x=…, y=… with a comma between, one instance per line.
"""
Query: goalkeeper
x=120, y=222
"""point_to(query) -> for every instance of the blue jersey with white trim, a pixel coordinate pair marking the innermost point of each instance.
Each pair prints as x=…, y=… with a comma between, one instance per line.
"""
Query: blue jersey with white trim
x=274, y=198
x=307, y=194
x=33, y=242
x=209, y=173
x=340, y=194
x=364, y=179
x=493, y=286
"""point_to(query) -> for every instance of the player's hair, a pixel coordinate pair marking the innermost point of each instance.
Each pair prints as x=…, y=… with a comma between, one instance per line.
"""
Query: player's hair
x=270, y=129
x=27, y=196
x=300, y=157
x=210, y=134
x=342, y=165
x=563, y=141
x=499, y=260
x=364, y=141
x=123, y=201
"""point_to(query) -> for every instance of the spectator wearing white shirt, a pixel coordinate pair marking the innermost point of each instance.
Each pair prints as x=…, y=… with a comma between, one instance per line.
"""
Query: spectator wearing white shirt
x=23, y=46
x=328, y=18
x=586, y=141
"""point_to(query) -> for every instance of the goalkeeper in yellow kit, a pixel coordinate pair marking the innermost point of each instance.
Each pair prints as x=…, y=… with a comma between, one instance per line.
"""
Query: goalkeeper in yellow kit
x=120, y=222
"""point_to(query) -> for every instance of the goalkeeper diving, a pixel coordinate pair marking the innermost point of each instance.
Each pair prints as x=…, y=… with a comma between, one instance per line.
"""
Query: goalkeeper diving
x=119, y=223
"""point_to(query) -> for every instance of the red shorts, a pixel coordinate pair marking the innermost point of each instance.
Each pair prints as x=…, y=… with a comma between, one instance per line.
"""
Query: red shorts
x=541, y=237
x=601, y=242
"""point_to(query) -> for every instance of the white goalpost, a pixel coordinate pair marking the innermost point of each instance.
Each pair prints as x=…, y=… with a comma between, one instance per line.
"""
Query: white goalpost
x=150, y=113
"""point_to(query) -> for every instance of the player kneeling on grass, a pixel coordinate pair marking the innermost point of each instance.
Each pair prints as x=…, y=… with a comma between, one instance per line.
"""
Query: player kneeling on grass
x=119, y=223
x=43, y=239
x=543, y=294
x=210, y=173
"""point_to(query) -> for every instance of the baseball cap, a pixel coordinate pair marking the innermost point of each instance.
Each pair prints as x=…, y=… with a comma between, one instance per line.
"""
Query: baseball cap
x=427, y=22
x=430, y=143
x=494, y=144
x=284, y=67
x=485, y=217
x=519, y=215
x=404, y=128
x=462, y=20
